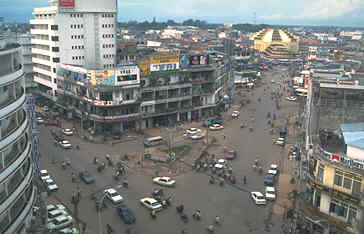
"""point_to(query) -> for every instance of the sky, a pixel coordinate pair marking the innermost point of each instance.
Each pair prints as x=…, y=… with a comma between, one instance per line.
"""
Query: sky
x=287, y=12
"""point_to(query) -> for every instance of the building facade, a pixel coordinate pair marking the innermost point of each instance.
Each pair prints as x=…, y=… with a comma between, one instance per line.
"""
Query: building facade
x=276, y=43
x=162, y=89
x=17, y=193
x=335, y=177
x=78, y=32
x=106, y=100
x=26, y=45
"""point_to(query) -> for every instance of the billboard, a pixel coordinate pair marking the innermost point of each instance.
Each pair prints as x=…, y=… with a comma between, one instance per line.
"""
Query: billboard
x=157, y=59
x=103, y=77
x=66, y=3
x=194, y=60
x=144, y=66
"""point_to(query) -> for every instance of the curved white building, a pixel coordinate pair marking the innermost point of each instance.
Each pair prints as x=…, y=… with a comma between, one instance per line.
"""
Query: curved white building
x=17, y=193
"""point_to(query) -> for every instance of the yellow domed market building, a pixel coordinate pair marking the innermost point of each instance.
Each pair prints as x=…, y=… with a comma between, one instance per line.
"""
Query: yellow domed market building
x=276, y=43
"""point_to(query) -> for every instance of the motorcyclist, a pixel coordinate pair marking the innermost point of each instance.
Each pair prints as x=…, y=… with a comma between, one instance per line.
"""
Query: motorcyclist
x=73, y=177
x=197, y=214
x=217, y=219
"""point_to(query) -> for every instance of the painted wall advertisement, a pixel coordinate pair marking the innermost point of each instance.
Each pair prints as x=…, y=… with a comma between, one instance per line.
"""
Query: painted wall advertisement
x=66, y=3
x=102, y=77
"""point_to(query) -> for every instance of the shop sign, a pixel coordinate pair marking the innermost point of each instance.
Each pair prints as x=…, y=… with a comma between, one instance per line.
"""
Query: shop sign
x=66, y=3
x=107, y=103
x=113, y=118
x=158, y=59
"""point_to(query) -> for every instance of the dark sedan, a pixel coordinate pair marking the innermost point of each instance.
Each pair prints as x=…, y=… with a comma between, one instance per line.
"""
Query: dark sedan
x=86, y=177
x=269, y=179
x=126, y=214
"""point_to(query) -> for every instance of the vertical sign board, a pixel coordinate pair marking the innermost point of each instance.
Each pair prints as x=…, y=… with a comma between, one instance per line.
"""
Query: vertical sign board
x=32, y=119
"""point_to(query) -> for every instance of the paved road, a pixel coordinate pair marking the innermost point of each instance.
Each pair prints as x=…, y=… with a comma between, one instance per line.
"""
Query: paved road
x=238, y=213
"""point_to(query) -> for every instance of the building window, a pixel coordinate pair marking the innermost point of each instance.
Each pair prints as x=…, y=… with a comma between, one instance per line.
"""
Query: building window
x=338, y=178
x=54, y=38
x=55, y=49
x=54, y=27
x=56, y=60
x=347, y=183
x=356, y=187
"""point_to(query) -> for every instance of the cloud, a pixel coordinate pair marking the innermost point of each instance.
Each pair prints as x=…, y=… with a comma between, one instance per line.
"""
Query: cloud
x=329, y=8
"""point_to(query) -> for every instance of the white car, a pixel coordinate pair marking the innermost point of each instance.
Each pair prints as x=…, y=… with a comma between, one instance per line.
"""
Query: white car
x=164, y=181
x=40, y=120
x=258, y=198
x=270, y=193
x=197, y=136
x=54, y=214
x=113, y=195
x=44, y=175
x=65, y=144
x=215, y=127
x=280, y=141
x=59, y=223
x=273, y=172
x=67, y=132
x=51, y=185
x=193, y=131
x=291, y=98
x=69, y=231
x=151, y=203
x=235, y=114
x=51, y=207
x=274, y=167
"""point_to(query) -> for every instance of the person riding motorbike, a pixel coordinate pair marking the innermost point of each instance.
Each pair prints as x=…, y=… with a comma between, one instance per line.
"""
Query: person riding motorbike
x=197, y=215
x=217, y=220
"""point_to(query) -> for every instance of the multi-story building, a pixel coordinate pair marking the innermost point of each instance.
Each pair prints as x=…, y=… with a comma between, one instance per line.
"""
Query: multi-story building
x=78, y=32
x=335, y=177
x=162, y=89
x=17, y=193
x=25, y=42
x=107, y=100
x=182, y=88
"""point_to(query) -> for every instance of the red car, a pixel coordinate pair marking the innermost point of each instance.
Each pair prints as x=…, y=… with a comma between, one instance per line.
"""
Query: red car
x=59, y=138
x=231, y=155
x=52, y=122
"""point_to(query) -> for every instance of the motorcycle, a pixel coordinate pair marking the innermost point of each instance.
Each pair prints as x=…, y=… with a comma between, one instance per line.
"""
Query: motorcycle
x=212, y=180
x=64, y=165
x=180, y=209
x=184, y=217
x=197, y=216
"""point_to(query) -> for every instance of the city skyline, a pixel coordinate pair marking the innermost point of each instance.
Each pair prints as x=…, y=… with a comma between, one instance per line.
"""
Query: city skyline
x=310, y=12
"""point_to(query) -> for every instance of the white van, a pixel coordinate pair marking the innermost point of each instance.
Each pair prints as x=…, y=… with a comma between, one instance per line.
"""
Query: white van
x=153, y=141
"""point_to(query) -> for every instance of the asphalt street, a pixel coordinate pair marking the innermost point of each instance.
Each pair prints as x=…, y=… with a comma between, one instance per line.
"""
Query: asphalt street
x=234, y=206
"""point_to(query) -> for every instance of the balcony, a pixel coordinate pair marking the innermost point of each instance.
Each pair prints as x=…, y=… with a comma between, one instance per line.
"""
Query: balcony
x=10, y=75
x=23, y=211
x=338, y=160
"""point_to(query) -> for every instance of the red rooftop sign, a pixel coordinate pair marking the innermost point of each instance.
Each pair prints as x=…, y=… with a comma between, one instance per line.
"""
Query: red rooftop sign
x=66, y=3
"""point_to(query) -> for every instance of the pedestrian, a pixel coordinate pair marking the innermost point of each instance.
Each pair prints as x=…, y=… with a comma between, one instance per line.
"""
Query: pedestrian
x=84, y=228
x=244, y=179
